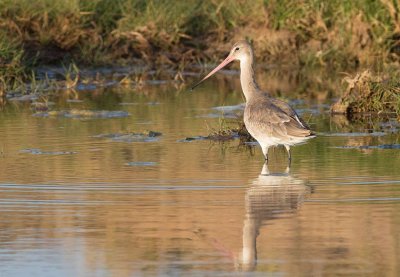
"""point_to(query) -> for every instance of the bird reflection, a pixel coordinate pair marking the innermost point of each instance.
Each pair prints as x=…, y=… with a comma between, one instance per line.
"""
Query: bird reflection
x=269, y=196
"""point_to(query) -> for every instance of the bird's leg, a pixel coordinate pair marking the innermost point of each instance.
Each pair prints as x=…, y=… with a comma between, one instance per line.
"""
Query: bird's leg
x=289, y=154
x=265, y=152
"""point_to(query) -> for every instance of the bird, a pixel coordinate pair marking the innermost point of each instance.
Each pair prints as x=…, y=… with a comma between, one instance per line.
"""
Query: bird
x=271, y=122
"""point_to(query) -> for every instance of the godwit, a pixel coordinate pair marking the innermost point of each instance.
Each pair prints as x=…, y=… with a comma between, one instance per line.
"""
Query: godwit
x=270, y=121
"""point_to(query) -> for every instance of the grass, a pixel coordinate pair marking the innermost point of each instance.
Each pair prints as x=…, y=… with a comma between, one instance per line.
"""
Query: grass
x=370, y=93
x=339, y=34
x=224, y=131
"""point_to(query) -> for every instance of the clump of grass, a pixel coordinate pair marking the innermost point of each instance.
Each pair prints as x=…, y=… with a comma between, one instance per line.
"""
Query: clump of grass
x=369, y=93
x=11, y=67
x=225, y=131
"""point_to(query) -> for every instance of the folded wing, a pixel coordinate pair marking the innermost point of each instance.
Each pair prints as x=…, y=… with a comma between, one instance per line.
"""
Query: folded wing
x=275, y=118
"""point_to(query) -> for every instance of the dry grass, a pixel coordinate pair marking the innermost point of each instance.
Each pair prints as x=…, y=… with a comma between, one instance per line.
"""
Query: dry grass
x=335, y=33
x=369, y=93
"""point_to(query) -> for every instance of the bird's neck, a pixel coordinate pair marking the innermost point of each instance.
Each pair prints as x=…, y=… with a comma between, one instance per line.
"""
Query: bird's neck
x=247, y=78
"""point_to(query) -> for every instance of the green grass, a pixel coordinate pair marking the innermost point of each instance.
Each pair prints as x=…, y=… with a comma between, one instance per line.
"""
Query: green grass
x=337, y=33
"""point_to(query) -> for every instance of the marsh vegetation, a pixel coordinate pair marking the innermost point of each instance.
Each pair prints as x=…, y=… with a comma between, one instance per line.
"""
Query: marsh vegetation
x=48, y=45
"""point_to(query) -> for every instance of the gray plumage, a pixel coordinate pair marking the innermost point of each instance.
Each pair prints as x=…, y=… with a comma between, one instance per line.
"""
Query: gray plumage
x=270, y=121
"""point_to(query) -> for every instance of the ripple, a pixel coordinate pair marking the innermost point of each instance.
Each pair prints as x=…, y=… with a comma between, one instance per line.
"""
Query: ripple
x=37, y=151
x=150, y=136
x=373, y=134
x=141, y=163
x=233, y=108
x=355, y=200
x=84, y=114
x=381, y=146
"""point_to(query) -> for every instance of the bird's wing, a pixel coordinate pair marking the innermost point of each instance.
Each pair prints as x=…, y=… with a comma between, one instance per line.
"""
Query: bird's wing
x=275, y=118
x=289, y=111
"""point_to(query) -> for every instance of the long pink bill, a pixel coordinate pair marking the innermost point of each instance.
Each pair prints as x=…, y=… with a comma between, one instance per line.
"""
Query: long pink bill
x=220, y=66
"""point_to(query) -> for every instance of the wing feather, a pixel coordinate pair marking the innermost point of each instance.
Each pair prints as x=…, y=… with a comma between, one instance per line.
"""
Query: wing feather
x=275, y=118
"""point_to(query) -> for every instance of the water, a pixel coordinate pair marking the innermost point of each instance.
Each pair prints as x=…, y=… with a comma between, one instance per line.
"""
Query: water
x=75, y=201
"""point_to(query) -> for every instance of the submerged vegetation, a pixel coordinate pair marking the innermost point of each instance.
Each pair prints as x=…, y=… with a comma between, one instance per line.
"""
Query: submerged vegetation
x=334, y=33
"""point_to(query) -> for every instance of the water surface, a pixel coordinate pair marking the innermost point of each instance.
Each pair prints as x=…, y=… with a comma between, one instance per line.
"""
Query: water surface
x=75, y=201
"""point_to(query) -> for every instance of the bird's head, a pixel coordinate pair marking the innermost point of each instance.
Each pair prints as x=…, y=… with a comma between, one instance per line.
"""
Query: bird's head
x=241, y=51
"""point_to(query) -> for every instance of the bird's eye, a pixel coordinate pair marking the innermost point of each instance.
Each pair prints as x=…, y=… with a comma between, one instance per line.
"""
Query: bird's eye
x=237, y=48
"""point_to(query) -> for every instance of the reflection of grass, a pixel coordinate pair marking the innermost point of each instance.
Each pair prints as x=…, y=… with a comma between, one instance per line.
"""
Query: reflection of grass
x=367, y=93
x=93, y=32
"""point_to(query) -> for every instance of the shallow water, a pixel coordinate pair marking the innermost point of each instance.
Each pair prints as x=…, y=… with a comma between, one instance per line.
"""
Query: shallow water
x=75, y=201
